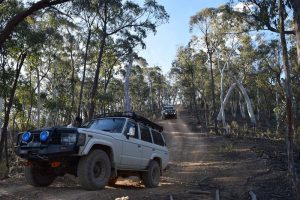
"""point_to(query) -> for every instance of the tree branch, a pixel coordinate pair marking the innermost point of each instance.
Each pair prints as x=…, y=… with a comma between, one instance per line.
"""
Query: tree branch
x=17, y=19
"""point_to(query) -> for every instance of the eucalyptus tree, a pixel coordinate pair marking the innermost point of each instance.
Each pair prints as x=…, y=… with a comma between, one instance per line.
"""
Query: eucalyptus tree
x=117, y=16
x=204, y=21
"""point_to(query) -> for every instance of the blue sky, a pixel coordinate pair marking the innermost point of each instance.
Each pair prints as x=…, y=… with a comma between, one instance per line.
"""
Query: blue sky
x=162, y=47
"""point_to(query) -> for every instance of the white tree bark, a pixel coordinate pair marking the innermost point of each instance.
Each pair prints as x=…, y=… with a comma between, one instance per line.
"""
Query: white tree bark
x=222, y=103
x=127, y=99
x=248, y=102
x=246, y=97
x=227, y=97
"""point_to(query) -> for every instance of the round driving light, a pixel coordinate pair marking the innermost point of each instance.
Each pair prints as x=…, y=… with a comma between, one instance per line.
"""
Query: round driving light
x=44, y=136
x=26, y=136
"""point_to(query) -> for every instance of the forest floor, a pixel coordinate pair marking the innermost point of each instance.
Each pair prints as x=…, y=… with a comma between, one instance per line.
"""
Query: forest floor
x=200, y=165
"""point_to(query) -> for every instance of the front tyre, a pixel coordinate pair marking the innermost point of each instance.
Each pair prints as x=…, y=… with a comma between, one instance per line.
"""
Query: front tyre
x=152, y=176
x=39, y=176
x=94, y=170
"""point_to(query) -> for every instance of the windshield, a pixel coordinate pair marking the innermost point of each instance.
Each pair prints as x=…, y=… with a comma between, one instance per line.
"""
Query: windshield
x=168, y=108
x=112, y=125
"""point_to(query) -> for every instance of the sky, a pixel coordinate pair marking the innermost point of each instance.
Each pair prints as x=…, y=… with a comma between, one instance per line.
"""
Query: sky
x=162, y=47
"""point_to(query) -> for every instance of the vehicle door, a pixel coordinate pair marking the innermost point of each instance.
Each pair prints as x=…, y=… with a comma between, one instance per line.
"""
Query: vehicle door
x=146, y=145
x=160, y=147
x=131, y=152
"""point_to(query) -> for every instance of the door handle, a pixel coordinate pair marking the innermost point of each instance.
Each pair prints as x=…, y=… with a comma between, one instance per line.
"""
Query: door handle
x=139, y=146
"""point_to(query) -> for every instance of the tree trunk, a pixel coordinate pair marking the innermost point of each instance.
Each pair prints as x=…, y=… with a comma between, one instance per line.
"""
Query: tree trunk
x=72, y=84
x=10, y=103
x=31, y=101
x=277, y=114
x=127, y=99
x=248, y=102
x=222, y=104
x=258, y=104
x=225, y=101
x=288, y=96
x=96, y=79
x=296, y=8
x=84, y=71
x=38, y=98
x=99, y=63
x=212, y=84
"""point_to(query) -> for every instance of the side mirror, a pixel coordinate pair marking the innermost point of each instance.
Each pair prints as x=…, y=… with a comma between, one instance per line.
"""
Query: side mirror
x=131, y=131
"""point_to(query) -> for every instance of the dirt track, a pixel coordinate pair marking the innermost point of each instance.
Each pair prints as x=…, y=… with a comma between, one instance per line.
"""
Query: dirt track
x=199, y=165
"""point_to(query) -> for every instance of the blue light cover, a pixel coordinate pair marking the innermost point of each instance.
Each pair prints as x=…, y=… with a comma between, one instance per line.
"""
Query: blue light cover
x=26, y=136
x=44, y=136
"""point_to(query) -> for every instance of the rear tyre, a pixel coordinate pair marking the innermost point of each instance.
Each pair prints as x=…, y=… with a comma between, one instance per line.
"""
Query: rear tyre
x=94, y=170
x=151, y=177
x=39, y=176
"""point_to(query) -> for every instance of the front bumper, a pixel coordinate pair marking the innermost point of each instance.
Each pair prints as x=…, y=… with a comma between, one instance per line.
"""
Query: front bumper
x=46, y=152
x=169, y=114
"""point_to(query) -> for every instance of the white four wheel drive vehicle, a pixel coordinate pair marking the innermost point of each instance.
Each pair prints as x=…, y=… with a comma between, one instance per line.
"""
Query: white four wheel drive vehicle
x=122, y=144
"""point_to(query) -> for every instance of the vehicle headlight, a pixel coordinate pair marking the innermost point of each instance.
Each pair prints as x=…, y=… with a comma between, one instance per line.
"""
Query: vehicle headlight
x=68, y=139
x=44, y=135
x=26, y=137
x=81, y=139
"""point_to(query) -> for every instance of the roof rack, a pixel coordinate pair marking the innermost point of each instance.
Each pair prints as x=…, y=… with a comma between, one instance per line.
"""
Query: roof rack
x=134, y=116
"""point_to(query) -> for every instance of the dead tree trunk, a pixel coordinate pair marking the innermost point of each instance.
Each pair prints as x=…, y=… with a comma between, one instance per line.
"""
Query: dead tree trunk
x=248, y=102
